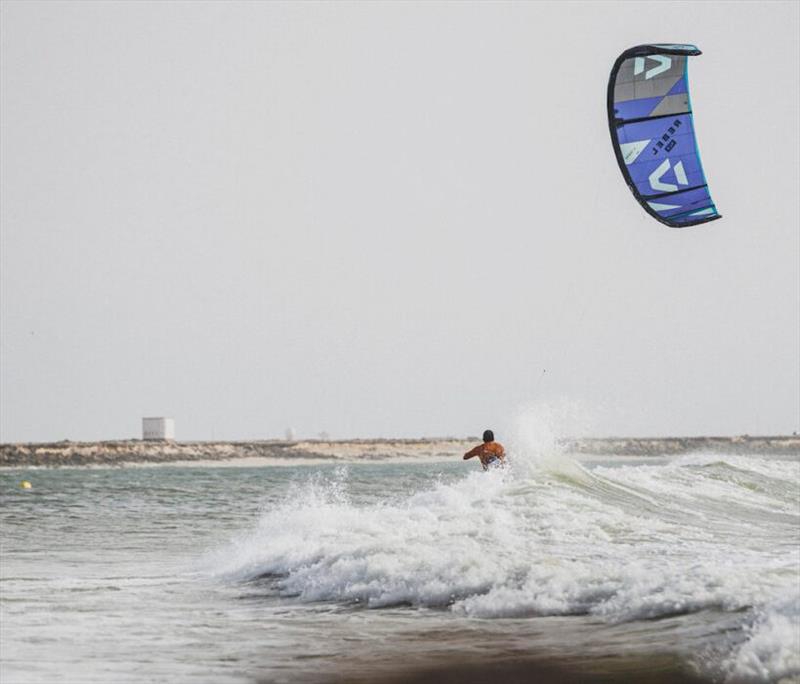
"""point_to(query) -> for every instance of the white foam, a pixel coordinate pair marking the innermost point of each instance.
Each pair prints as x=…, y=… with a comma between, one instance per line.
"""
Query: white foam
x=772, y=649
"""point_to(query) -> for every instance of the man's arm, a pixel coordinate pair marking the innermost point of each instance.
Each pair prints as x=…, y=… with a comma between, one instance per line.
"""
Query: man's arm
x=473, y=452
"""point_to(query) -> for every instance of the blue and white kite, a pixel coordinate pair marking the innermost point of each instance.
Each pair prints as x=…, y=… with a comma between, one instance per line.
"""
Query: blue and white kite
x=652, y=130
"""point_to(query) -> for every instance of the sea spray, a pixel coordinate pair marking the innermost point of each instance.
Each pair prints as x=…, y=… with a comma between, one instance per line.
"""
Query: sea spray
x=536, y=439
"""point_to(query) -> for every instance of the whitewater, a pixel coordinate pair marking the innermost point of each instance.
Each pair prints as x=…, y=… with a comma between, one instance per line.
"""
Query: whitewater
x=314, y=572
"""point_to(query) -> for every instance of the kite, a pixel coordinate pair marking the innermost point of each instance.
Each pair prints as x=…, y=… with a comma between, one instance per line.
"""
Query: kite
x=652, y=131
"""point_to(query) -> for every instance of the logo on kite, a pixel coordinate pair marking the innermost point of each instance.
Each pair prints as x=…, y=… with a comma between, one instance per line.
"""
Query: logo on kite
x=672, y=189
x=664, y=63
x=655, y=177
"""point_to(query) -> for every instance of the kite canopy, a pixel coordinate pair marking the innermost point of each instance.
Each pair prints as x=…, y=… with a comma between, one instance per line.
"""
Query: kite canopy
x=652, y=131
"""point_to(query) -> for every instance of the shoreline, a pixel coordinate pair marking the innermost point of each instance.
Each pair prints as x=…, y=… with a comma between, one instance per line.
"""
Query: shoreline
x=136, y=452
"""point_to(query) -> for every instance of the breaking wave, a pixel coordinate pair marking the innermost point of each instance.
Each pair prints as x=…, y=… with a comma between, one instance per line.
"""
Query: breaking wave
x=546, y=536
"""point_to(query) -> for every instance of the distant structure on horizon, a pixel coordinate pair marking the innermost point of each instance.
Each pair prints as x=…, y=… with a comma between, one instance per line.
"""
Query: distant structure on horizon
x=158, y=428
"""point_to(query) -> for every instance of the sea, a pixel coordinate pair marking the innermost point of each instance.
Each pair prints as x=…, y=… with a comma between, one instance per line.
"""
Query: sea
x=606, y=569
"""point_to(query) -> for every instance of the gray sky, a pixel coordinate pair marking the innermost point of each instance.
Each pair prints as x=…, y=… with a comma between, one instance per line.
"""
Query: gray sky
x=386, y=220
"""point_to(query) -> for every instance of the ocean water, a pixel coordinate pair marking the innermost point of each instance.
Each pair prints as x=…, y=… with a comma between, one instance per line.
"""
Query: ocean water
x=362, y=572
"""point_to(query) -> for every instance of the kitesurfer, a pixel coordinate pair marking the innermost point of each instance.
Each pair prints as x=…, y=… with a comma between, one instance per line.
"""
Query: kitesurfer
x=490, y=453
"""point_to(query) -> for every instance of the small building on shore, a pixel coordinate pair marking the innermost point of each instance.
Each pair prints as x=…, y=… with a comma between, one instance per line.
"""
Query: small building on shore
x=159, y=428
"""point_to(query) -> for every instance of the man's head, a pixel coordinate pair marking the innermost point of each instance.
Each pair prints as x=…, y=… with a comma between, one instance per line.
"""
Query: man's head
x=488, y=436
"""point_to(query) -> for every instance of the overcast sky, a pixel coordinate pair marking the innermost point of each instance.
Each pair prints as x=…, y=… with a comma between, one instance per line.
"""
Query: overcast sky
x=386, y=219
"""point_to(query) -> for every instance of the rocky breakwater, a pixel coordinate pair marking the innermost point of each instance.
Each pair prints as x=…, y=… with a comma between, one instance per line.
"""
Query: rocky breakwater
x=675, y=446
x=126, y=452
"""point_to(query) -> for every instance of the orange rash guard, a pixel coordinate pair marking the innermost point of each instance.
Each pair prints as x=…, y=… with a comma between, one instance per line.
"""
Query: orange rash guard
x=487, y=453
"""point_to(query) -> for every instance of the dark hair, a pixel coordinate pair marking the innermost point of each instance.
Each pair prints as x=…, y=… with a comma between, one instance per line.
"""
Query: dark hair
x=488, y=436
